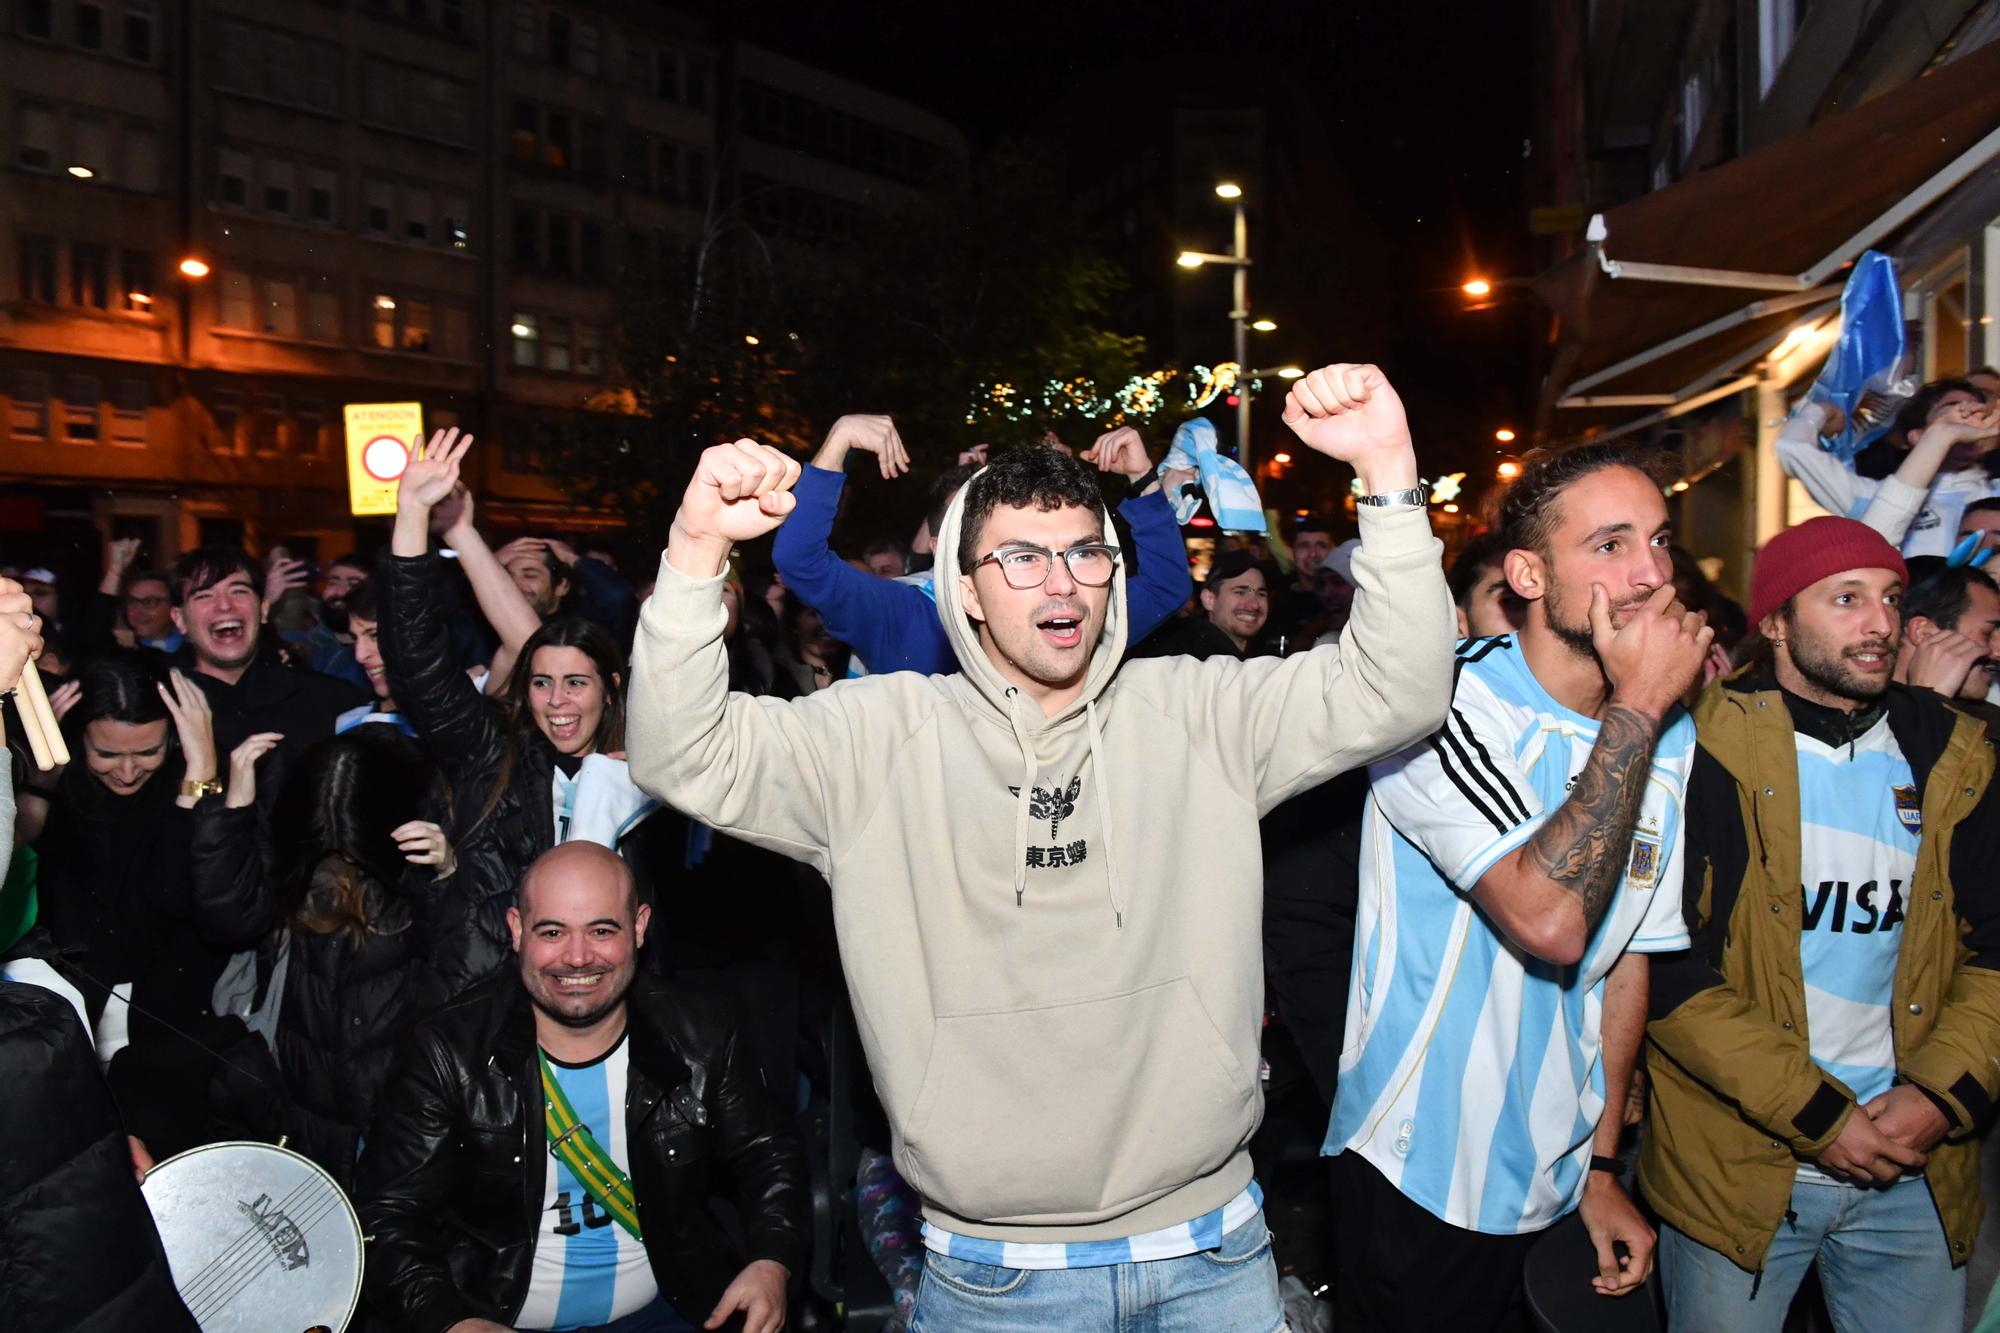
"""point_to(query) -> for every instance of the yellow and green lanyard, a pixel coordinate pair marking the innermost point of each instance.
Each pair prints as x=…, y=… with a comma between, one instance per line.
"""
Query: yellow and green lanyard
x=571, y=1143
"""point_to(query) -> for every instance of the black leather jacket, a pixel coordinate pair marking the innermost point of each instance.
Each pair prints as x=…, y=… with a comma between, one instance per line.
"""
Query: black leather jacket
x=451, y=1181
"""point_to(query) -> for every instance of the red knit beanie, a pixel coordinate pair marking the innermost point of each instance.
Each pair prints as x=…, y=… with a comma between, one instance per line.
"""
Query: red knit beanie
x=1799, y=557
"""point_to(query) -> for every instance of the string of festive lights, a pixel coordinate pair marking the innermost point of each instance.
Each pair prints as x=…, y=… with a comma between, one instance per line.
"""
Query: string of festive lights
x=1139, y=399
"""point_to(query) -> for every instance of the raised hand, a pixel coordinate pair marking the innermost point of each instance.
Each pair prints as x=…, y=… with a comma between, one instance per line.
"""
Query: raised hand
x=61, y=699
x=979, y=455
x=1055, y=442
x=561, y=550
x=432, y=473
x=1122, y=451
x=871, y=435
x=281, y=575
x=1347, y=411
x=20, y=634
x=243, y=768
x=519, y=547
x=740, y=491
x=1656, y=656
x=194, y=723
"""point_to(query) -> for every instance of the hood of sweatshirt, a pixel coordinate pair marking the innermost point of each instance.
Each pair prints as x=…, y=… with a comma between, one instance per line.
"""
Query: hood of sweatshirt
x=1044, y=740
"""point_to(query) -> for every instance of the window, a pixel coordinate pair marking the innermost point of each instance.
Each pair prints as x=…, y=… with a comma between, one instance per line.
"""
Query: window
x=527, y=237
x=278, y=187
x=28, y=406
x=562, y=251
x=321, y=192
x=381, y=208
x=590, y=148
x=589, y=350
x=556, y=144
x=38, y=133
x=639, y=62
x=322, y=79
x=382, y=324
x=323, y=317
x=590, y=250
x=142, y=160
x=137, y=278
x=667, y=77
x=310, y=414
x=417, y=214
x=451, y=15
x=696, y=93
x=585, y=50
x=378, y=93
x=138, y=32
x=129, y=400
x=555, y=347
x=457, y=224
x=527, y=131
x=267, y=425
x=527, y=333
x=559, y=40
x=282, y=69
x=90, y=25
x=233, y=178
x=92, y=140
x=281, y=309
x=281, y=66
x=525, y=27
x=37, y=272
x=38, y=19
x=416, y=326
x=81, y=395
x=694, y=182
x=237, y=302
x=89, y=276
x=453, y=333
x=224, y=410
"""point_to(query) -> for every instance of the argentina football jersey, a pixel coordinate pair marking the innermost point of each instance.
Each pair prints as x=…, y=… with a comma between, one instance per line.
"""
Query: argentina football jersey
x=1471, y=1075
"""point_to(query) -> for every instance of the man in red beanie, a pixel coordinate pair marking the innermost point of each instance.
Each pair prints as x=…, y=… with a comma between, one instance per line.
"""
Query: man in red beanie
x=1830, y=1046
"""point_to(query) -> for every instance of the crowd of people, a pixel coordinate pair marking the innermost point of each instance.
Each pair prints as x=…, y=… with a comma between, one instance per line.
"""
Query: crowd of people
x=513, y=894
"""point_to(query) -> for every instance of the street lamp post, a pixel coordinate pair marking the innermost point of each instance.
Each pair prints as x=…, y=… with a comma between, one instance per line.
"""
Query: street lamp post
x=1238, y=259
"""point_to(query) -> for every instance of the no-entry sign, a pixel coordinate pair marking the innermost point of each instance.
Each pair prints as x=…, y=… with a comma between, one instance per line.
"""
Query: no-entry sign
x=379, y=438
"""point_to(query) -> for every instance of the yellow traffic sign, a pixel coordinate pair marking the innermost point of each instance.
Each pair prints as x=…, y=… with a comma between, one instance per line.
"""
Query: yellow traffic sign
x=379, y=438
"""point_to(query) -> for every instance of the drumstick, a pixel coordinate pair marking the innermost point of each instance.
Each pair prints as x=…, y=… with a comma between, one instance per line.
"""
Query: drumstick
x=38, y=720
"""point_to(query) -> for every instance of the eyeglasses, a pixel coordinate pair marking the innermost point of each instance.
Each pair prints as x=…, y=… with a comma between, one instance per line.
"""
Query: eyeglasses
x=1090, y=564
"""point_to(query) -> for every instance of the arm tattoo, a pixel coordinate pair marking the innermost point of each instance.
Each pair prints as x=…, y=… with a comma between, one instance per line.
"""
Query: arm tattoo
x=1583, y=847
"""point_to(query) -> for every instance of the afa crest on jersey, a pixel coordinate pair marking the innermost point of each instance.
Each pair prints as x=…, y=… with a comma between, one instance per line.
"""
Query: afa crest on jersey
x=1908, y=810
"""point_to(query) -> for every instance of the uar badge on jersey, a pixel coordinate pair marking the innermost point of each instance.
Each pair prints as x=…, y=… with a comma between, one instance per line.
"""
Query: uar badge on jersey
x=1908, y=809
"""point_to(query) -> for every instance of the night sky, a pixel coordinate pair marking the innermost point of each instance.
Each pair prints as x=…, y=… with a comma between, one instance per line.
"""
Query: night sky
x=1427, y=113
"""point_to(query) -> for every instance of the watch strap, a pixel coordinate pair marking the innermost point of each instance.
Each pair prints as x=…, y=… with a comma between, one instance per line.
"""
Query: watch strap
x=1411, y=495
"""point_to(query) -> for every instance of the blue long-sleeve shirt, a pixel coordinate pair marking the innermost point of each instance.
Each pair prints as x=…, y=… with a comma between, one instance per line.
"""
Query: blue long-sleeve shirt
x=894, y=626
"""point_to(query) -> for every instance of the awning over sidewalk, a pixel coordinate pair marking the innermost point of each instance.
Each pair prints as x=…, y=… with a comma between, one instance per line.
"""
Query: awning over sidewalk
x=1680, y=290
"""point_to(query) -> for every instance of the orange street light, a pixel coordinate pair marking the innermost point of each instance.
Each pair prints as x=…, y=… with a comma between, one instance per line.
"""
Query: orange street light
x=193, y=268
x=1504, y=435
x=1229, y=190
x=1508, y=469
x=1478, y=287
x=751, y=340
x=1281, y=458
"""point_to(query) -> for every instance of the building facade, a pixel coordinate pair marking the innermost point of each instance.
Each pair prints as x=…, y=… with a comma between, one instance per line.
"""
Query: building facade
x=223, y=220
x=1784, y=137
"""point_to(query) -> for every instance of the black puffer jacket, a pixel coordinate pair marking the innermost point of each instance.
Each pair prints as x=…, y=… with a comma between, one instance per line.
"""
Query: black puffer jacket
x=78, y=1251
x=465, y=733
x=452, y=1182
x=343, y=1010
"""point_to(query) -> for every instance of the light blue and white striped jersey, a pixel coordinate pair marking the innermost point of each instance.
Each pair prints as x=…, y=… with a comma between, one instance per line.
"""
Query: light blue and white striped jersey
x=1859, y=827
x=586, y=1269
x=1471, y=1077
x=1203, y=1233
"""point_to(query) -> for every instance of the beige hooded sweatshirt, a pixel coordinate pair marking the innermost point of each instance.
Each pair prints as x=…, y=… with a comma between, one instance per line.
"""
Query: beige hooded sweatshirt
x=1051, y=926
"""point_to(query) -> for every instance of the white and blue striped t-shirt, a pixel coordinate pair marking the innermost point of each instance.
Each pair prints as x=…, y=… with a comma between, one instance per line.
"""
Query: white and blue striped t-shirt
x=1471, y=1077
x=1203, y=1233
x=1859, y=828
x=586, y=1269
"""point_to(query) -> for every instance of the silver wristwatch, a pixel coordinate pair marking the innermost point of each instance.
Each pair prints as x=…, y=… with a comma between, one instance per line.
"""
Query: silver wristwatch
x=1413, y=495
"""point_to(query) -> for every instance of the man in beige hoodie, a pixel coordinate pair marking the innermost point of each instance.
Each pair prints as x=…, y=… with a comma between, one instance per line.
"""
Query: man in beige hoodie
x=1045, y=870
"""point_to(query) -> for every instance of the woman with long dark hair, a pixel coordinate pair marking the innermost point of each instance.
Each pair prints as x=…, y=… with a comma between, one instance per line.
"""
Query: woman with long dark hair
x=541, y=764
x=335, y=907
x=114, y=879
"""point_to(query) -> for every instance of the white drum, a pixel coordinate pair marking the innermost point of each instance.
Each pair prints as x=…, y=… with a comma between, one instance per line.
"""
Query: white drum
x=260, y=1239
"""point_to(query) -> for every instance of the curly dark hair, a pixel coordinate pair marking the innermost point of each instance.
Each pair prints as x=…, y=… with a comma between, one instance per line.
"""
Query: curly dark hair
x=1031, y=477
x=1528, y=514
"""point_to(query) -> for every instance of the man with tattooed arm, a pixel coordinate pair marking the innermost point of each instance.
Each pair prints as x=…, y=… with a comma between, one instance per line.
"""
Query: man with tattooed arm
x=1517, y=868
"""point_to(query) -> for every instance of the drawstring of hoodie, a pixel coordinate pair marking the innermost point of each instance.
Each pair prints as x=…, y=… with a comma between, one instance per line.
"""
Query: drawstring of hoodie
x=1029, y=772
x=1101, y=774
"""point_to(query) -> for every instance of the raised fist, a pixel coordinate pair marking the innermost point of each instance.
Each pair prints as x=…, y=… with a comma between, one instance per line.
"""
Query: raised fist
x=1348, y=412
x=739, y=492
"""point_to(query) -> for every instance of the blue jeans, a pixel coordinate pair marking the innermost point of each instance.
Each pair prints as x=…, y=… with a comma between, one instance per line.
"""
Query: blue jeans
x=1883, y=1264
x=1233, y=1288
x=659, y=1317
